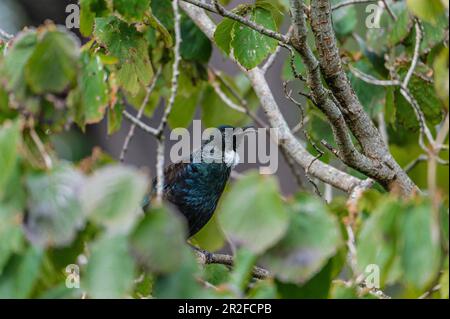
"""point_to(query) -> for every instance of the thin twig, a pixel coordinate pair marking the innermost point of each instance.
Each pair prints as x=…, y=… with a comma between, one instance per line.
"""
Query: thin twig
x=430, y=292
x=217, y=8
x=226, y=99
x=349, y=3
x=130, y=135
x=389, y=10
x=170, y=103
x=422, y=158
x=148, y=129
x=160, y=169
x=5, y=34
x=271, y=60
x=45, y=156
x=207, y=258
x=175, y=68
x=243, y=107
x=415, y=60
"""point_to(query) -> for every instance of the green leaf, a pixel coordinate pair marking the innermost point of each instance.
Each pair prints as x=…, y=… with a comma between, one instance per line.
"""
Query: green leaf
x=263, y=289
x=223, y=35
x=444, y=284
x=147, y=245
x=312, y=238
x=132, y=10
x=54, y=209
x=250, y=47
x=425, y=95
x=371, y=96
x=317, y=287
x=426, y=9
x=163, y=11
x=164, y=33
x=195, y=45
x=126, y=43
x=215, y=112
x=288, y=73
x=90, y=9
x=186, y=102
x=115, y=116
x=13, y=67
x=341, y=291
x=405, y=116
x=419, y=245
x=112, y=197
x=434, y=34
x=110, y=270
x=216, y=274
x=376, y=240
x=10, y=137
x=11, y=234
x=401, y=29
x=242, y=271
x=441, y=76
x=20, y=274
x=181, y=284
x=53, y=65
x=210, y=237
x=344, y=20
x=252, y=213
x=92, y=96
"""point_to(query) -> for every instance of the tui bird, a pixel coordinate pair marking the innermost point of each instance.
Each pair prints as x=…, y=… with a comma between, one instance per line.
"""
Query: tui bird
x=194, y=187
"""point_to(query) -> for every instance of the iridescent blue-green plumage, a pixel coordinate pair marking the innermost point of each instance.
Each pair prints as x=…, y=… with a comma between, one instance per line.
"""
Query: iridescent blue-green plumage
x=196, y=187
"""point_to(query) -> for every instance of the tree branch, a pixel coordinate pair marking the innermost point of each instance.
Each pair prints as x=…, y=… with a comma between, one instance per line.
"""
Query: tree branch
x=286, y=139
x=384, y=167
x=207, y=258
x=321, y=97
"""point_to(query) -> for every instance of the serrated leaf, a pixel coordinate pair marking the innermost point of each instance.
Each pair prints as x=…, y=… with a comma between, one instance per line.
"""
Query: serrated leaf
x=131, y=47
x=90, y=9
x=402, y=28
x=131, y=10
x=13, y=67
x=250, y=47
x=52, y=67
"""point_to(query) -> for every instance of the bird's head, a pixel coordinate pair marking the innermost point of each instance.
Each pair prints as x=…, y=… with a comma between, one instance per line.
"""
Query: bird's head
x=224, y=142
x=232, y=137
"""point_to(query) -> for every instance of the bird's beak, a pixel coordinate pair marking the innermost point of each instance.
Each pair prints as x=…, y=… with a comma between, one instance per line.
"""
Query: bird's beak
x=246, y=130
